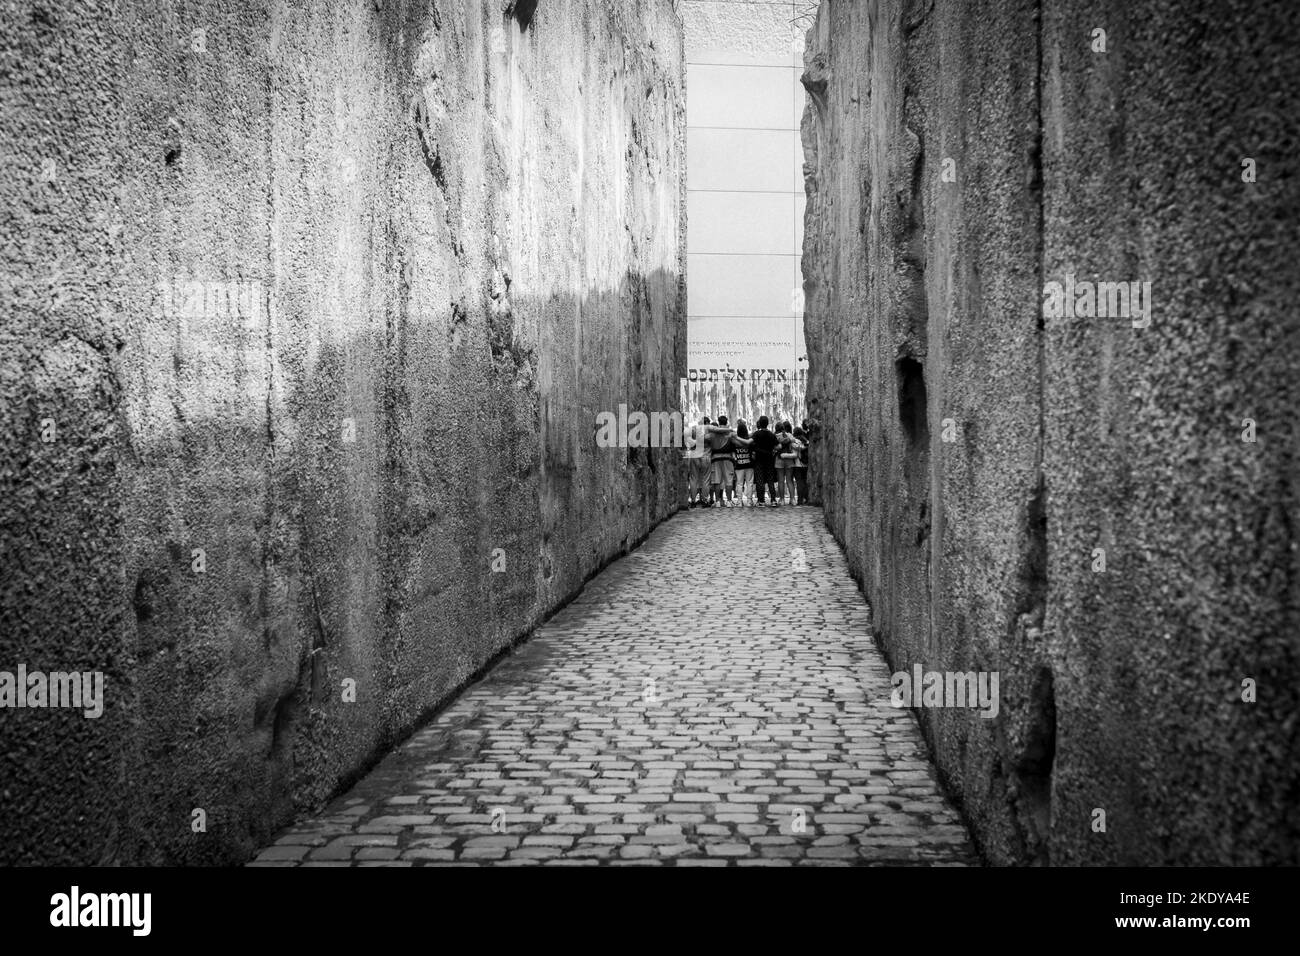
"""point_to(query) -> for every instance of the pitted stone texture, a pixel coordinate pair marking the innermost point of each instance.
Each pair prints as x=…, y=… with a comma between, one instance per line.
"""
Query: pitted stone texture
x=974, y=452
x=699, y=703
x=330, y=294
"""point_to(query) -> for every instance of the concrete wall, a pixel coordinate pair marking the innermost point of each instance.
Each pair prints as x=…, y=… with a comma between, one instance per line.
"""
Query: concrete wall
x=744, y=183
x=331, y=293
x=975, y=454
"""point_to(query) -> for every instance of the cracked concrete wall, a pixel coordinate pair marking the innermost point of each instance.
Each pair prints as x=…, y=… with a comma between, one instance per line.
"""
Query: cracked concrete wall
x=322, y=300
x=974, y=453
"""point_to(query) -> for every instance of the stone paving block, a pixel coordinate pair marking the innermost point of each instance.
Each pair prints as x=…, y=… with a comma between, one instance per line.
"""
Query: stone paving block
x=751, y=722
x=281, y=853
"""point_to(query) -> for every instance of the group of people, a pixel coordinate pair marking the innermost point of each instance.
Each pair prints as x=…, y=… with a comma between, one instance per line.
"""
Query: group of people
x=732, y=468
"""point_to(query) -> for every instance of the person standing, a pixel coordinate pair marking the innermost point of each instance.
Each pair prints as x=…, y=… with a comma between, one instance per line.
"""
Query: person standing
x=783, y=461
x=744, y=457
x=696, y=455
x=763, y=446
x=722, y=477
x=801, y=466
x=791, y=451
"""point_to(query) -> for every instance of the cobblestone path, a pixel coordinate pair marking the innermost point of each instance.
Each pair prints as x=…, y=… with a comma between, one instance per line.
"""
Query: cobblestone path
x=673, y=714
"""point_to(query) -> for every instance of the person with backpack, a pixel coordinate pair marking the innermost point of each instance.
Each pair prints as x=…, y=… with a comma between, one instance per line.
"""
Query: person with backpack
x=786, y=453
x=801, y=466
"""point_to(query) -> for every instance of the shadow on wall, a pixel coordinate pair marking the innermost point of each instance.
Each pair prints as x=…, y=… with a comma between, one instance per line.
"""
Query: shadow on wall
x=1083, y=503
x=276, y=594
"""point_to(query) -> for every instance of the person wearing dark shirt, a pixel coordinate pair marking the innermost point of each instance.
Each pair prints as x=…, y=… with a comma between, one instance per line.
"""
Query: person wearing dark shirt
x=783, y=461
x=763, y=446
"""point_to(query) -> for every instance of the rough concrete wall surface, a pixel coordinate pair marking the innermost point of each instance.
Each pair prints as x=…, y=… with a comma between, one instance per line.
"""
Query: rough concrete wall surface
x=310, y=308
x=980, y=452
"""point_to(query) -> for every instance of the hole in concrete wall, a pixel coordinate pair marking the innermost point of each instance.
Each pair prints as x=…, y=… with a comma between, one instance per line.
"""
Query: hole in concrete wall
x=458, y=325
x=146, y=592
x=282, y=725
x=1033, y=770
x=173, y=156
x=522, y=11
x=1031, y=573
x=501, y=331
x=428, y=148
x=912, y=402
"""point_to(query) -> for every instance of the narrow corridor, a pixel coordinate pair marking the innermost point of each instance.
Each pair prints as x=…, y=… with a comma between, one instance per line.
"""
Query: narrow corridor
x=712, y=698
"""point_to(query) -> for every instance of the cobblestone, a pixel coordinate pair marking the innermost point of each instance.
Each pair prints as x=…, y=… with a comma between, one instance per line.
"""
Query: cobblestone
x=701, y=703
